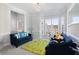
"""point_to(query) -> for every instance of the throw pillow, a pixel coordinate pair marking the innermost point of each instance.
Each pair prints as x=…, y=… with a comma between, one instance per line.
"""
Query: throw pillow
x=17, y=35
x=22, y=34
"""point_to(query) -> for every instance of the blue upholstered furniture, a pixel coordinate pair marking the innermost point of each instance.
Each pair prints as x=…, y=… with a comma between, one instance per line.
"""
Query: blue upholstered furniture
x=63, y=48
x=20, y=38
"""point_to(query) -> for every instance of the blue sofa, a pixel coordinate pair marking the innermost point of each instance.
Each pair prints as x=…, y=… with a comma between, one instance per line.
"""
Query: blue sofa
x=63, y=48
x=22, y=38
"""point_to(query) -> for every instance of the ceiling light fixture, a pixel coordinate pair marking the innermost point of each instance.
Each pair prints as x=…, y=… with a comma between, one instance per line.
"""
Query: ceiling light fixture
x=36, y=6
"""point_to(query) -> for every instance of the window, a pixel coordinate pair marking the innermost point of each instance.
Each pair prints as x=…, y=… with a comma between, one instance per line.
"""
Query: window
x=48, y=21
x=55, y=21
x=62, y=20
x=75, y=19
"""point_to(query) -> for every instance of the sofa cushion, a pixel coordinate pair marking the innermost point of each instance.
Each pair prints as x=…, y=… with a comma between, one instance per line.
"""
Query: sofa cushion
x=53, y=42
x=22, y=34
x=66, y=38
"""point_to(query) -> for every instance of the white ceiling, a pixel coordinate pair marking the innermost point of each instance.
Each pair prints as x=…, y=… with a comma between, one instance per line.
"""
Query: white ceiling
x=46, y=9
x=75, y=9
x=54, y=9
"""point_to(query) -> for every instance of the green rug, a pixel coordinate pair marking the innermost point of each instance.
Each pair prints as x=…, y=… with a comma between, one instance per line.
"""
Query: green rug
x=36, y=46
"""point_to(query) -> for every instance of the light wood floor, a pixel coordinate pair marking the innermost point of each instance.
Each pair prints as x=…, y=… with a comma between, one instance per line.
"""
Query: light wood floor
x=10, y=50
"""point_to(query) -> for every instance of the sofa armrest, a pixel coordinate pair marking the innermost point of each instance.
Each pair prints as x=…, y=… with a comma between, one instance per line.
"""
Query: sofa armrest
x=14, y=40
x=29, y=34
x=12, y=36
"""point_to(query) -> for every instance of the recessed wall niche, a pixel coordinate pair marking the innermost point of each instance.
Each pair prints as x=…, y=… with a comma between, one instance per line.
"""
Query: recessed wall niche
x=17, y=22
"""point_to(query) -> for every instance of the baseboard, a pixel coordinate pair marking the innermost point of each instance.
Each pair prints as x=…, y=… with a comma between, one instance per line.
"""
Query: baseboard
x=4, y=40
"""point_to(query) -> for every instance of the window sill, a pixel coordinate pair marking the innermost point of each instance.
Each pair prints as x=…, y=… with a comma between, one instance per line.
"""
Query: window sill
x=73, y=24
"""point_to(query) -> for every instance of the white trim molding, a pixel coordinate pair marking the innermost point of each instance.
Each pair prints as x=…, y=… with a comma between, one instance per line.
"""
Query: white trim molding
x=75, y=38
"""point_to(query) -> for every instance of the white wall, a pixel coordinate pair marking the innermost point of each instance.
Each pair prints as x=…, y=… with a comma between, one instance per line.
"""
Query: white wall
x=4, y=25
x=4, y=20
x=28, y=24
x=74, y=29
x=5, y=17
x=35, y=20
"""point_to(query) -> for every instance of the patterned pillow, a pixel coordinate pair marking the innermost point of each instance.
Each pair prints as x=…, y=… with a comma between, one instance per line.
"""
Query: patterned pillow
x=17, y=35
x=57, y=35
x=22, y=34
